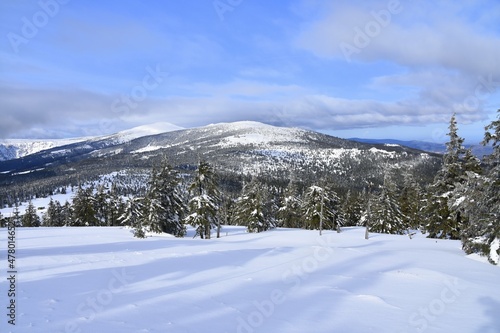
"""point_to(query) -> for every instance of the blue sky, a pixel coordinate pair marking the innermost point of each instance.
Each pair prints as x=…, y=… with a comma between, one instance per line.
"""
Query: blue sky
x=378, y=69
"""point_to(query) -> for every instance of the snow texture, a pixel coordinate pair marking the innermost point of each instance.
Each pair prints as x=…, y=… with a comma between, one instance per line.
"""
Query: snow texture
x=285, y=280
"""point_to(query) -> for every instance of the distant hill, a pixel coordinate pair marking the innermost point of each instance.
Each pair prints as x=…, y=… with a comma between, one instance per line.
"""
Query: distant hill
x=439, y=148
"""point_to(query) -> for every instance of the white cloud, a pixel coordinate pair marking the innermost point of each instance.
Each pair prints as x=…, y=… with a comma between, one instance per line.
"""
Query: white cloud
x=417, y=34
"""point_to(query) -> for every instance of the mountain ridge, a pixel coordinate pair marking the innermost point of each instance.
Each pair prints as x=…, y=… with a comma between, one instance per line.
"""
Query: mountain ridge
x=18, y=148
x=240, y=149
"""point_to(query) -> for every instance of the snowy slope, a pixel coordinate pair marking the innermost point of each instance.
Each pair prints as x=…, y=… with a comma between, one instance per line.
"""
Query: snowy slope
x=104, y=280
x=140, y=131
x=16, y=148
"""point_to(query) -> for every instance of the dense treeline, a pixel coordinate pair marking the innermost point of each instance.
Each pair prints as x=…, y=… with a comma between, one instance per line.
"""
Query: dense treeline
x=460, y=203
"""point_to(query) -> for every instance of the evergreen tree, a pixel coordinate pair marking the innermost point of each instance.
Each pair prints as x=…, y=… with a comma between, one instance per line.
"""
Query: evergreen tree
x=30, y=217
x=67, y=214
x=480, y=200
x=317, y=209
x=352, y=209
x=163, y=204
x=101, y=206
x=441, y=222
x=83, y=208
x=250, y=208
x=133, y=216
x=204, y=205
x=410, y=201
x=270, y=199
x=491, y=232
x=386, y=215
x=116, y=207
x=289, y=212
x=53, y=217
x=16, y=216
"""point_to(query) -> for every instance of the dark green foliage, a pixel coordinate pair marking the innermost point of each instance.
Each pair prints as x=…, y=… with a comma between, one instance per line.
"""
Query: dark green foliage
x=411, y=202
x=250, y=208
x=479, y=198
x=204, y=204
x=163, y=205
x=441, y=222
x=386, y=215
x=83, y=208
x=321, y=209
x=352, y=209
x=289, y=212
x=30, y=217
x=54, y=216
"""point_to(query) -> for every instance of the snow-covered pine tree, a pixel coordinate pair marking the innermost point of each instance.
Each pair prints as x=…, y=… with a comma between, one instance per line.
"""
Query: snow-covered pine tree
x=101, y=205
x=441, y=223
x=352, y=209
x=83, y=208
x=316, y=210
x=289, y=212
x=410, y=202
x=116, y=207
x=133, y=216
x=53, y=217
x=270, y=199
x=250, y=208
x=488, y=231
x=30, y=217
x=163, y=205
x=16, y=216
x=386, y=215
x=67, y=214
x=204, y=205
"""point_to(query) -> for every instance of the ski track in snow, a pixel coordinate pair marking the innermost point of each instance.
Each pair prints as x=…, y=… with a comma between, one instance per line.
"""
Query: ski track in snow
x=285, y=280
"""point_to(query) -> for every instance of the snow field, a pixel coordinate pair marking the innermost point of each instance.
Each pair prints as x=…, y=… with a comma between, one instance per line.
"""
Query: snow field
x=104, y=280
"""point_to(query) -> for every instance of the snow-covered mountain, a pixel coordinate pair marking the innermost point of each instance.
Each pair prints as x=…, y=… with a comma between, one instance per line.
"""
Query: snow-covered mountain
x=237, y=149
x=16, y=148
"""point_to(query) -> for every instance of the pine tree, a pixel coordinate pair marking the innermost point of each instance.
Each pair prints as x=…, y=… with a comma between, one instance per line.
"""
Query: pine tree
x=83, y=208
x=53, y=217
x=317, y=209
x=386, y=215
x=133, y=216
x=30, y=217
x=250, y=208
x=441, y=222
x=410, y=201
x=289, y=212
x=352, y=209
x=204, y=205
x=67, y=214
x=163, y=204
x=480, y=200
x=116, y=207
x=101, y=206
x=16, y=216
